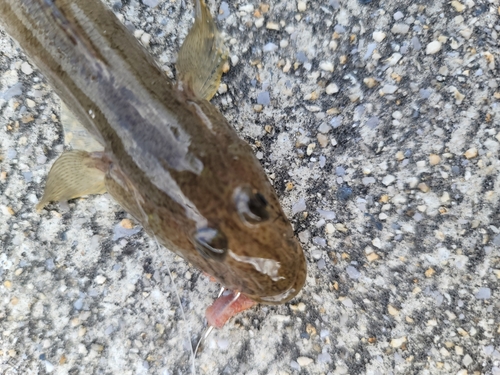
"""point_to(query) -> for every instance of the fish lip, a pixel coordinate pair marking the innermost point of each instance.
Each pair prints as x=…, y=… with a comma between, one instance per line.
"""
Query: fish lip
x=294, y=287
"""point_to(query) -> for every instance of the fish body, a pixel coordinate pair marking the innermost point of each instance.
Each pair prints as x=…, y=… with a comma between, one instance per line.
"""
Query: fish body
x=168, y=156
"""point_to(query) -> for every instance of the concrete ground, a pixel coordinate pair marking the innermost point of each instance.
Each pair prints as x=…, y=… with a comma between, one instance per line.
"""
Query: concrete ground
x=378, y=123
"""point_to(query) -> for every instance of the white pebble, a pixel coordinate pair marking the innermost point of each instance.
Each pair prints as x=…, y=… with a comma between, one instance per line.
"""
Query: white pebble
x=99, y=279
x=326, y=66
x=388, y=89
x=146, y=39
x=331, y=89
x=26, y=68
x=400, y=28
x=270, y=47
x=378, y=36
x=388, y=180
x=433, y=47
x=394, y=59
x=467, y=360
x=304, y=361
x=377, y=243
x=259, y=22
x=348, y=303
x=396, y=343
x=301, y=6
x=397, y=115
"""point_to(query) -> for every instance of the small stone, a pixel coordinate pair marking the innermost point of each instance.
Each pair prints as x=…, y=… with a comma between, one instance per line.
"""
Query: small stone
x=388, y=180
x=423, y=187
x=462, y=332
x=483, y=293
x=471, y=153
x=304, y=361
x=466, y=33
x=392, y=310
x=263, y=98
x=332, y=88
x=434, y=159
x=397, y=115
x=400, y=28
x=270, y=47
x=327, y=66
x=341, y=227
x=377, y=243
x=394, y=59
x=398, y=15
x=347, y=302
x=322, y=140
x=127, y=224
x=430, y=272
x=324, y=358
x=145, y=39
x=301, y=6
x=371, y=82
x=433, y=47
x=222, y=88
x=372, y=257
x=329, y=229
x=299, y=206
x=26, y=68
x=378, y=36
x=272, y=26
x=99, y=279
x=445, y=198
x=353, y=273
x=388, y=89
x=224, y=11
x=459, y=7
x=310, y=149
x=150, y=3
x=467, y=360
x=397, y=343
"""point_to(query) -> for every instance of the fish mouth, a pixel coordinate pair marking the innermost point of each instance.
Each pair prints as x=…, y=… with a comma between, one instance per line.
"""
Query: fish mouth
x=294, y=287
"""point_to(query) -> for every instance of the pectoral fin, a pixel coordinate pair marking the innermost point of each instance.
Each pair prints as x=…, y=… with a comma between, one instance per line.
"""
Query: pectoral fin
x=74, y=174
x=202, y=56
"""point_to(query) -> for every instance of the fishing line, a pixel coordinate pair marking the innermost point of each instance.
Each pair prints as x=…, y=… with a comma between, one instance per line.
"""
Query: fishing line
x=193, y=365
x=193, y=369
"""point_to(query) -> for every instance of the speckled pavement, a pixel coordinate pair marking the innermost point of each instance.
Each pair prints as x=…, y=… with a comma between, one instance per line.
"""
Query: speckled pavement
x=378, y=123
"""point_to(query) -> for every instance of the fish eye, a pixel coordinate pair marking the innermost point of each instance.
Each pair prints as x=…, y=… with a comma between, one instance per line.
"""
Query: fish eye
x=251, y=205
x=211, y=243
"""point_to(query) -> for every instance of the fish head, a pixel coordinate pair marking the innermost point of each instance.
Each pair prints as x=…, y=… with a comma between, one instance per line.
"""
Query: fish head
x=247, y=242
